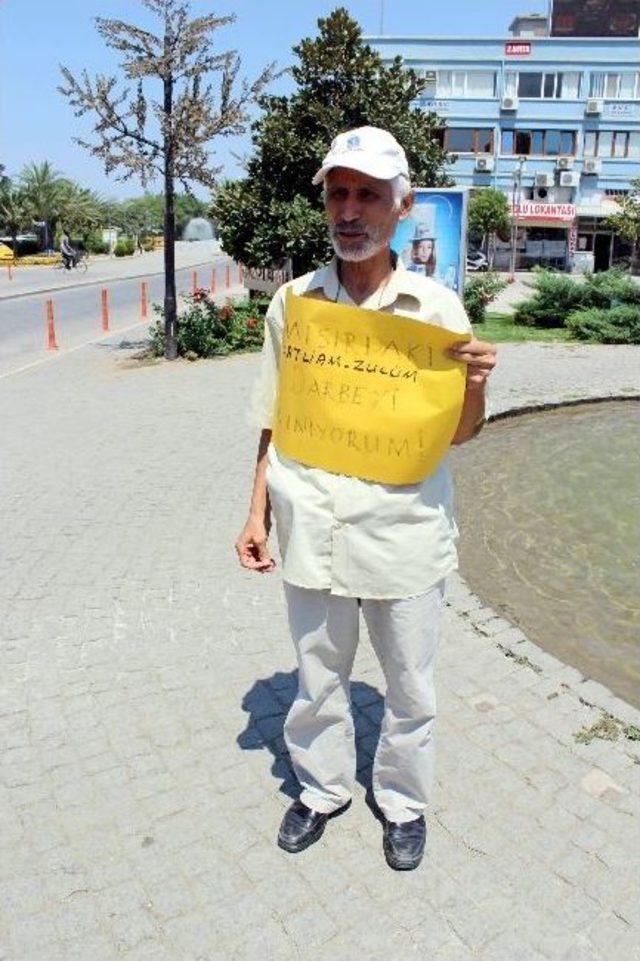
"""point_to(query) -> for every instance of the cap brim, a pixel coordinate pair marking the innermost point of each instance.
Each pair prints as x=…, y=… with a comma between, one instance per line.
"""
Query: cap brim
x=378, y=169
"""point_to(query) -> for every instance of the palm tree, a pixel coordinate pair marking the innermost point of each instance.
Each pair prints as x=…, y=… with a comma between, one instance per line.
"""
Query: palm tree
x=15, y=213
x=81, y=210
x=44, y=189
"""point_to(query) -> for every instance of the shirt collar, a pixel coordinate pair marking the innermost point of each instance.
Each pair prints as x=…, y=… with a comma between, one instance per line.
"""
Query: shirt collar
x=401, y=283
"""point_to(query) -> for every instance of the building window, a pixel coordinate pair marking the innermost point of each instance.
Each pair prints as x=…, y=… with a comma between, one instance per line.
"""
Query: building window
x=615, y=86
x=620, y=143
x=612, y=143
x=538, y=142
x=570, y=86
x=469, y=140
x=484, y=140
x=629, y=88
x=543, y=86
x=481, y=83
x=530, y=84
x=429, y=76
x=466, y=83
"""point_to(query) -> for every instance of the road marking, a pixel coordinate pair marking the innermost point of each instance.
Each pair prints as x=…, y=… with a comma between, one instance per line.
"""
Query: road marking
x=63, y=351
x=76, y=285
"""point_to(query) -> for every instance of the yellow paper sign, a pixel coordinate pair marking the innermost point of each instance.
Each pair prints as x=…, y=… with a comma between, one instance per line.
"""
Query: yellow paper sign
x=366, y=393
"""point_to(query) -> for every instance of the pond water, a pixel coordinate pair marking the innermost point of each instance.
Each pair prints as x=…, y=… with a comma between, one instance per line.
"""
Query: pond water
x=548, y=506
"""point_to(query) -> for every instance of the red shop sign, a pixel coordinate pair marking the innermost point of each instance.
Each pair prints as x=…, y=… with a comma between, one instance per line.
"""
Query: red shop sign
x=530, y=210
x=517, y=48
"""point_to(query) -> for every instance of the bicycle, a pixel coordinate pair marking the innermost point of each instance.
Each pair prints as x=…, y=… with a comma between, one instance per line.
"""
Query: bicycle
x=81, y=263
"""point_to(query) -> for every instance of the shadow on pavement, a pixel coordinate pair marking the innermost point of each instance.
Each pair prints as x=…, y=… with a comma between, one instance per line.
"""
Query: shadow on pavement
x=126, y=344
x=267, y=703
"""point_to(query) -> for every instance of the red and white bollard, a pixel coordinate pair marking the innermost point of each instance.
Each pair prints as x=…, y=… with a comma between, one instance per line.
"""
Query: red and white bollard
x=105, y=308
x=52, y=343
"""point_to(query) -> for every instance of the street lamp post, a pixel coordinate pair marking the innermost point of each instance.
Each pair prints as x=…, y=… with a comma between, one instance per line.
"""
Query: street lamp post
x=515, y=198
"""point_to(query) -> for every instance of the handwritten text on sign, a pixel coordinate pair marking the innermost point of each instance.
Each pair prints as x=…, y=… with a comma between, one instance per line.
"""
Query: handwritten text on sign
x=366, y=393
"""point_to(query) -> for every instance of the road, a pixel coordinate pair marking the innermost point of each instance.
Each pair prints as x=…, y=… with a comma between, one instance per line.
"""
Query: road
x=78, y=316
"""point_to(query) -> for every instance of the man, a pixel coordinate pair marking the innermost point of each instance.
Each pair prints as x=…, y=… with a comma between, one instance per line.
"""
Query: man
x=348, y=543
x=69, y=253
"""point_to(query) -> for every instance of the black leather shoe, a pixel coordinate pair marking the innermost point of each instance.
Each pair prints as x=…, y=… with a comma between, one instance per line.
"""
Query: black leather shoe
x=302, y=827
x=403, y=844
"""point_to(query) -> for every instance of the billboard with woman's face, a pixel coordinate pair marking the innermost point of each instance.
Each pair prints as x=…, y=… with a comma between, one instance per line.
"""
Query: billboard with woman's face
x=432, y=240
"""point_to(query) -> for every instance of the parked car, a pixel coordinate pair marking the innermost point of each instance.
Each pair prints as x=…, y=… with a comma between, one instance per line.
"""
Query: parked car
x=476, y=260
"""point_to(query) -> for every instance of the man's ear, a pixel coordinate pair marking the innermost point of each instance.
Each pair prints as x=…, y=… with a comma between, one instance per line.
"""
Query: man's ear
x=406, y=205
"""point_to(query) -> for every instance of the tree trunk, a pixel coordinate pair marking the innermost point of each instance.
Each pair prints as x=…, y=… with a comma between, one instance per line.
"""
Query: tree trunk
x=633, y=259
x=491, y=249
x=170, y=302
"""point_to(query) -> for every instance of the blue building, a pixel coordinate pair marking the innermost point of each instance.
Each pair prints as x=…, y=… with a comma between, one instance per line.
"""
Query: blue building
x=553, y=122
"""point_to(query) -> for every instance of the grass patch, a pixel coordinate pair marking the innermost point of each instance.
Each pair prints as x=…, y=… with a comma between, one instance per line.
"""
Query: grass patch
x=608, y=728
x=500, y=328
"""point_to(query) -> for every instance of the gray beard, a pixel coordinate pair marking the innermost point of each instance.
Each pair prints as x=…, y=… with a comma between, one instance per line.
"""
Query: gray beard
x=363, y=251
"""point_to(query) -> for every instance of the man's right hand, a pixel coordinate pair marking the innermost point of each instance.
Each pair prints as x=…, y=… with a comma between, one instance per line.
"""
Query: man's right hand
x=251, y=547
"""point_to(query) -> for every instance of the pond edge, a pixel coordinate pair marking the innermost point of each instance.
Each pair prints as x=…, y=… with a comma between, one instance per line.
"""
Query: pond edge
x=561, y=678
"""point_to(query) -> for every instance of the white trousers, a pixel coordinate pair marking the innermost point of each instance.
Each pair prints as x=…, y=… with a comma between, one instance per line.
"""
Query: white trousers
x=319, y=728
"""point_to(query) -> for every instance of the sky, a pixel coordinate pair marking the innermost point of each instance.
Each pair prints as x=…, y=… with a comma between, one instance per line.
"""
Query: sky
x=36, y=36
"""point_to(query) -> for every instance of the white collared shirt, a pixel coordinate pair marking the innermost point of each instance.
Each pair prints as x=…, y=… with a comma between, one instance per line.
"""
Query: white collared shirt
x=358, y=538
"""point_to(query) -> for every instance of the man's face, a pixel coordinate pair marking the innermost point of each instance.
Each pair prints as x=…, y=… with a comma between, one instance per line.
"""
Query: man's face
x=361, y=213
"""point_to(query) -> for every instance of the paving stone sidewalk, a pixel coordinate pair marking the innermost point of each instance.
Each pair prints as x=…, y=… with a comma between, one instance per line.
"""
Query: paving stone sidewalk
x=145, y=679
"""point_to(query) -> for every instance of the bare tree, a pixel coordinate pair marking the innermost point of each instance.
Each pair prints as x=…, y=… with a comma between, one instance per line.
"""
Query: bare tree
x=168, y=136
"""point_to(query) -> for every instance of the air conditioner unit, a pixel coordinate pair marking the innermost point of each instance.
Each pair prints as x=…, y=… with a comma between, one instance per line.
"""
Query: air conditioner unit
x=593, y=107
x=564, y=163
x=430, y=76
x=485, y=162
x=544, y=180
x=541, y=193
x=509, y=103
x=569, y=179
x=591, y=166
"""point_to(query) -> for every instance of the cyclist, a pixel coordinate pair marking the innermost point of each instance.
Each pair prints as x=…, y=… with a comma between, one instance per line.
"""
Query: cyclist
x=69, y=253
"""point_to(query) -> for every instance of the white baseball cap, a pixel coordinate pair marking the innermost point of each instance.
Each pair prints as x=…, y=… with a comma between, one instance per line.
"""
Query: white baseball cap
x=370, y=150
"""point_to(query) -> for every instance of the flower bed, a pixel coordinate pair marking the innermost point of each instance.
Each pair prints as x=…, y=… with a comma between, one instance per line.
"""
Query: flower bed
x=207, y=329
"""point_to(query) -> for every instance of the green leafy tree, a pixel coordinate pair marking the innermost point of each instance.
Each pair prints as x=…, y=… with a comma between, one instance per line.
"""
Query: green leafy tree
x=139, y=216
x=275, y=212
x=169, y=136
x=142, y=216
x=489, y=218
x=626, y=222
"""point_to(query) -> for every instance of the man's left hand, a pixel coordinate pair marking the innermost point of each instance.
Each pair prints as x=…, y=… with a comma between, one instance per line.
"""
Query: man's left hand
x=480, y=358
